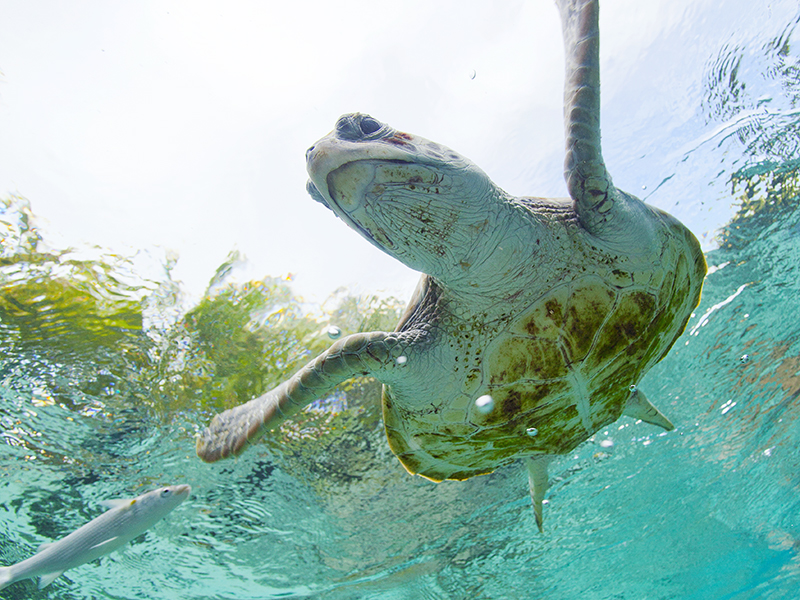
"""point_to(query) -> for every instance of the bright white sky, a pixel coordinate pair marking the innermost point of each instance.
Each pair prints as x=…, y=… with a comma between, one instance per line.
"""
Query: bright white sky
x=183, y=125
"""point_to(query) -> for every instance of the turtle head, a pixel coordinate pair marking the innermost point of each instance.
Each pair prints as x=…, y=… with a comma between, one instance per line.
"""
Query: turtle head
x=417, y=200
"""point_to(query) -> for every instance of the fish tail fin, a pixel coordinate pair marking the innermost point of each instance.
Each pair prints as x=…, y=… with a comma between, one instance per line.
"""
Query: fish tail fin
x=6, y=578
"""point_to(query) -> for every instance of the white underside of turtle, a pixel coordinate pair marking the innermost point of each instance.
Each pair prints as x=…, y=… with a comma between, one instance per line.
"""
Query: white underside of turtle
x=553, y=308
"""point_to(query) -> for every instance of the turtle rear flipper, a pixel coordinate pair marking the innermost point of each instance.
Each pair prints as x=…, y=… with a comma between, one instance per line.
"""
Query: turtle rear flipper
x=538, y=482
x=639, y=407
x=357, y=354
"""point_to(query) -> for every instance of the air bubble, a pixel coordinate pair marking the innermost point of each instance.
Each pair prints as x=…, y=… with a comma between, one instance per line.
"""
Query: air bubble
x=333, y=332
x=744, y=359
x=484, y=404
x=532, y=432
x=400, y=361
x=606, y=443
x=632, y=387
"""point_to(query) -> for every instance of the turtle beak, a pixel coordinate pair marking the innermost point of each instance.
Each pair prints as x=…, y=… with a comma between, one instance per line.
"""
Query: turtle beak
x=353, y=138
x=315, y=194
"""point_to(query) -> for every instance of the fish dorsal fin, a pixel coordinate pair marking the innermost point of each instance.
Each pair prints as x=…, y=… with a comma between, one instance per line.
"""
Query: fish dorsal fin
x=118, y=502
x=49, y=578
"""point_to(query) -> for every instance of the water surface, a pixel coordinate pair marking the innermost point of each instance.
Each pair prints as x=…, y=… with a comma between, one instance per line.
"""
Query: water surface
x=104, y=382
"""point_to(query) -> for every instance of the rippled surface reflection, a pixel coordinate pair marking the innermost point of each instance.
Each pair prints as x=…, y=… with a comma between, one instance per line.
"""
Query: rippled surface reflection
x=710, y=510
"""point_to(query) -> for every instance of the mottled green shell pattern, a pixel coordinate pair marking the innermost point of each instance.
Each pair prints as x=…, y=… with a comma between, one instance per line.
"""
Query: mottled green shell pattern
x=562, y=368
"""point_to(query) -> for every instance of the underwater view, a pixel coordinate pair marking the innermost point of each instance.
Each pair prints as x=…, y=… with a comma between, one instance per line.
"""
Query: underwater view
x=113, y=359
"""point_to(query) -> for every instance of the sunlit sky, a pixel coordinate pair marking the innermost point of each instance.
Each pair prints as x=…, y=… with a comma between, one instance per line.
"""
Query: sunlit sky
x=183, y=125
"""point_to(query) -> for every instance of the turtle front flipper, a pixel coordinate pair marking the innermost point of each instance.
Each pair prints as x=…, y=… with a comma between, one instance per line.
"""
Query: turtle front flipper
x=357, y=354
x=588, y=181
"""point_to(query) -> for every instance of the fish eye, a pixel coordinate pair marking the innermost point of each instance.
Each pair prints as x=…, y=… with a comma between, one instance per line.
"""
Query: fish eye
x=165, y=492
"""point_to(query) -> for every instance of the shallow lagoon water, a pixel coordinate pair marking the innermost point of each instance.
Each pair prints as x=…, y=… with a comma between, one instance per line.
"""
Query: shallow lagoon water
x=710, y=510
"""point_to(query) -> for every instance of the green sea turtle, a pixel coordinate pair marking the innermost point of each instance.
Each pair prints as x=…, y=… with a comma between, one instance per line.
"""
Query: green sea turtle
x=535, y=318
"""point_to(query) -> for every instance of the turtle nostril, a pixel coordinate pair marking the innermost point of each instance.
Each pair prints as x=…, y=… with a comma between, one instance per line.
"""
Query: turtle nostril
x=309, y=151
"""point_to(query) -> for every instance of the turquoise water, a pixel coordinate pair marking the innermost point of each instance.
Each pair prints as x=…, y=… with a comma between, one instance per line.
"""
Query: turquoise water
x=708, y=511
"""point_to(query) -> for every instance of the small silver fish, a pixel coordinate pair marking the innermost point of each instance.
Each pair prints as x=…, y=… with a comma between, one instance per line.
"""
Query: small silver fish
x=124, y=521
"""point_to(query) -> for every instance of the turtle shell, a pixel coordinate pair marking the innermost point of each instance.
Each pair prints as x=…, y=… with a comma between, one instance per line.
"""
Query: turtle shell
x=560, y=369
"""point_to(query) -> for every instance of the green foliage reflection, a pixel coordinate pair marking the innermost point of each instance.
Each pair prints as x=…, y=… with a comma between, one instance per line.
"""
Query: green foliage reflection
x=243, y=339
x=765, y=193
x=62, y=303
x=95, y=336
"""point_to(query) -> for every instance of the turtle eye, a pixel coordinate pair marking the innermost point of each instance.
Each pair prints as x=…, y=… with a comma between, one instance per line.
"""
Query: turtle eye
x=356, y=127
x=165, y=492
x=369, y=125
